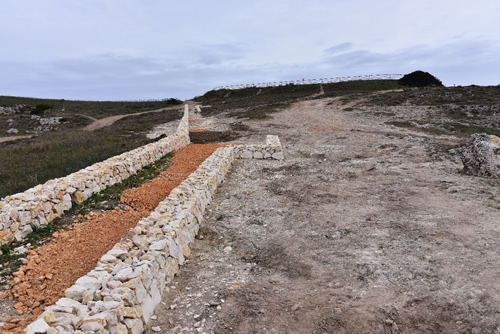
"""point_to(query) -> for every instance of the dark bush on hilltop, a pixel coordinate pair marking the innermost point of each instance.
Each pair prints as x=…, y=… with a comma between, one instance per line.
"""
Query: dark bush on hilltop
x=40, y=108
x=420, y=79
x=173, y=101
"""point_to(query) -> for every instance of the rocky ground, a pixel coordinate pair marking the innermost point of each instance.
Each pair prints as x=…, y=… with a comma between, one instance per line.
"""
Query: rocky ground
x=363, y=228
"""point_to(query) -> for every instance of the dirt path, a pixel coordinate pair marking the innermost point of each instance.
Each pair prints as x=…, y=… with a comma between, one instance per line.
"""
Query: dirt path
x=54, y=267
x=13, y=138
x=107, y=121
x=363, y=228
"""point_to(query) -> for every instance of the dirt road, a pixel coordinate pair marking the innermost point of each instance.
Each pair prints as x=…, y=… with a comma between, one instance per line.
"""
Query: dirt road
x=363, y=228
x=13, y=138
x=107, y=121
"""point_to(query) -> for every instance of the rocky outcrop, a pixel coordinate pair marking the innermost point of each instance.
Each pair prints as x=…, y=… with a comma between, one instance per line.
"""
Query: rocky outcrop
x=19, y=108
x=481, y=155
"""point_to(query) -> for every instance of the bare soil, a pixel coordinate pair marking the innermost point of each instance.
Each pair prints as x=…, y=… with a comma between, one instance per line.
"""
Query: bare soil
x=49, y=270
x=363, y=228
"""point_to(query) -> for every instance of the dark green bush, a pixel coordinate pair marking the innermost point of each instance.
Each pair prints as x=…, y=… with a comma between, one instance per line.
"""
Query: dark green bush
x=41, y=108
x=420, y=79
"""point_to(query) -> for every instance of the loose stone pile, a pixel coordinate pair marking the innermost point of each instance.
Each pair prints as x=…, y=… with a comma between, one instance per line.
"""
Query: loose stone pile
x=41, y=204
x=271, y=150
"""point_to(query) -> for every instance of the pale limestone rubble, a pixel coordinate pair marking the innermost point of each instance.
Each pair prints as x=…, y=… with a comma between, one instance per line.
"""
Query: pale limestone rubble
x=271, y=150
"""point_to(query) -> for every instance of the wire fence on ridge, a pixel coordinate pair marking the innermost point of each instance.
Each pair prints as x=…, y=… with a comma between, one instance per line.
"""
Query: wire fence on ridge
x=314, y=81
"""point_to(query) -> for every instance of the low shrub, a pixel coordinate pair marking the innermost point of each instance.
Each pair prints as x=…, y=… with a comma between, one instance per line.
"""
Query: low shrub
x=420, y=79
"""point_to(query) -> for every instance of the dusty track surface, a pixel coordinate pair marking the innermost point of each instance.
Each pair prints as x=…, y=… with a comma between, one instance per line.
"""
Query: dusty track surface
x=363, y=228
x=14, y=138
x=54, y=267
x=107, y=121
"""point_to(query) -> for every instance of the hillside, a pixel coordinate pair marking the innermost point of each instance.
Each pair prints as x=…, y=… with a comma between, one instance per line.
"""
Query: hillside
x=43, y=139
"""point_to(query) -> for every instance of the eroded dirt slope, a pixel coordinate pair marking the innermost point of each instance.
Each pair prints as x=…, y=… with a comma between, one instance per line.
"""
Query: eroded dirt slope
x=363, y=228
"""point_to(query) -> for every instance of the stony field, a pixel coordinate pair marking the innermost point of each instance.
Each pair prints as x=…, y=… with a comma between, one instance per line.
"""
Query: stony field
x=365, y=227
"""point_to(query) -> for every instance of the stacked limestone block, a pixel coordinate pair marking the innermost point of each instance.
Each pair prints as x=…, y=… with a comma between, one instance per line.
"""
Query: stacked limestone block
x=120, y=294
x=271, y=150
x=41, y=204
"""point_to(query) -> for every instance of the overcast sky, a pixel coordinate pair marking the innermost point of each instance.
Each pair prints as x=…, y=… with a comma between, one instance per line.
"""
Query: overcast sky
x=154, y=49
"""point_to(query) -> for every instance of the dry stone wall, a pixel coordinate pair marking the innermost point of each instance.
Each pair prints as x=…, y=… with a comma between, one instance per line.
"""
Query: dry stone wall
x=121, y=293
x=41, y=204
x=271, y=150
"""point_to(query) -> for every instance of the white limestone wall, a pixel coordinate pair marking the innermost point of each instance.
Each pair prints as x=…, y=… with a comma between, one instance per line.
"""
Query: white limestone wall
x=41, y=204
x=120, y=294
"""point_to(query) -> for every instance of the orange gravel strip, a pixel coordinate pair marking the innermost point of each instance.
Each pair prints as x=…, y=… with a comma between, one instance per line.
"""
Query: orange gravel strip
x=54, y=267
x=198, y=130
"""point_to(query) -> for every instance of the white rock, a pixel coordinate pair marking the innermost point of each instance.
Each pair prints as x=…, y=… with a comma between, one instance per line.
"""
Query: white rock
x=38, y=326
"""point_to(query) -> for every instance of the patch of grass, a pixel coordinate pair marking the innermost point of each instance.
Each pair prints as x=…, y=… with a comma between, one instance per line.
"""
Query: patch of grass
x=29, y=162
x=456, y=129
x=401, y=124
x=439, y=96
x=465, y=130
x=97, y=109
x=247, y=100
x=348, y=109
x=260, y=112
x=361, y=87
x=240, y=127
x=107, y=199
x=33, y=161
x=384, y=113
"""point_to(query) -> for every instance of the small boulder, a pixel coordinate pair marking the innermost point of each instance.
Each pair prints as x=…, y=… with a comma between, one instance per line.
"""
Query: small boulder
x=481, y=155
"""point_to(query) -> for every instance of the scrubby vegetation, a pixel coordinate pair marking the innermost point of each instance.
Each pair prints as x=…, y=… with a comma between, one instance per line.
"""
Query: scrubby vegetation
x=28, y=162
x=258, y=103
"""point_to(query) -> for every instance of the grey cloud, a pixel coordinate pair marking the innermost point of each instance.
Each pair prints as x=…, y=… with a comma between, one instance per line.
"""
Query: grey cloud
x=339, y=48
x=193, y=71
x=460, y=56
